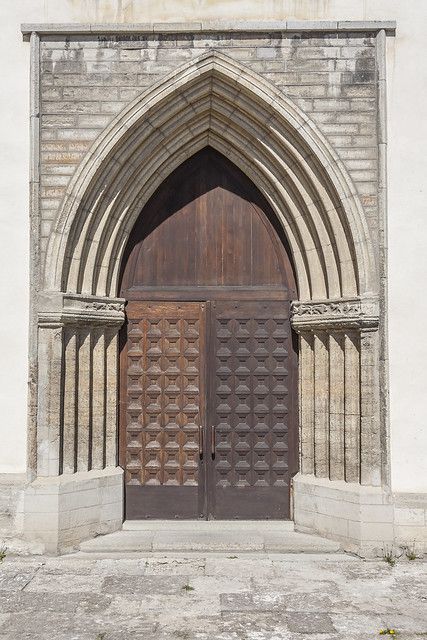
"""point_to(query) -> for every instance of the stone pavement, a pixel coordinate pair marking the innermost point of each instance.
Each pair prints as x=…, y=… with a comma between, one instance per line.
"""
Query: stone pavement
x=210, y=596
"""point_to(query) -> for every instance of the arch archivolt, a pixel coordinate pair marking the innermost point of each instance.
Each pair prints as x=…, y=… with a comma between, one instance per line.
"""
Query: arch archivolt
x=215, y=101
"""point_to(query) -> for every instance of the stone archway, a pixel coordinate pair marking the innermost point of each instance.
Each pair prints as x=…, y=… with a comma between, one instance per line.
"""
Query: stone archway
x=218, y=102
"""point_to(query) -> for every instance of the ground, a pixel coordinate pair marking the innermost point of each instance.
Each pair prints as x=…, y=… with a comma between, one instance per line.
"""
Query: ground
x=211, y=596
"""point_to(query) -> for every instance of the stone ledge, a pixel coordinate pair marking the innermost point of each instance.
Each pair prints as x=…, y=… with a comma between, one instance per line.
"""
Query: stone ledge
x=209, y=536
x=389, y=26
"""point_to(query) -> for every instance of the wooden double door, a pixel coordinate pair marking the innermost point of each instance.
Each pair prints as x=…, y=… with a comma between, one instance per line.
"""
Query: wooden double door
x=208, y=365
x=208, y=406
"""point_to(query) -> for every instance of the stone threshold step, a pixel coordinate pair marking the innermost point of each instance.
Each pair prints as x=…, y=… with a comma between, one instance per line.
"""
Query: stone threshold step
x=208, y=536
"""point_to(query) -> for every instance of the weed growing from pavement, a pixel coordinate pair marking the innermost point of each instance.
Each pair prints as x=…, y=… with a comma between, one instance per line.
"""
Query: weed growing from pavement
x=410, y=552
x=188, y=587
x=3, y=551
x=389, y=556
x=388, y=632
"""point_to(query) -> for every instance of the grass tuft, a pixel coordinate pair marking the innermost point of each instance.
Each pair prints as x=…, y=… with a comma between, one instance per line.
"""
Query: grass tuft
x=389, y=556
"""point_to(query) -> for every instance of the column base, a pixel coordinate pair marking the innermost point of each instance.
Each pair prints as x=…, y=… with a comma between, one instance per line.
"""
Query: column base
x=60, y=512
x=364, y=520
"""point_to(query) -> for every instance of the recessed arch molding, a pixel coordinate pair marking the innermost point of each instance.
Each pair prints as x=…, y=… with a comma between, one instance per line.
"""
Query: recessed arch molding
x=213, y=101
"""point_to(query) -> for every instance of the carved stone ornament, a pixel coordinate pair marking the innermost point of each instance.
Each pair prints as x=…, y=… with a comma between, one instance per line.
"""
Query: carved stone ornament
x=65, y=309
x=105, y=306
x=342, y=314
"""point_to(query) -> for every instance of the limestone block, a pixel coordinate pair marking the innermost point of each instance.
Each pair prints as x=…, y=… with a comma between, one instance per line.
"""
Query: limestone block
x=61, y=511
x=409, y=517
x=374, y=518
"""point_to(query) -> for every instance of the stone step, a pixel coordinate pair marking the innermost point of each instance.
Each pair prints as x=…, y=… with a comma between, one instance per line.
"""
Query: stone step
x=208, y=536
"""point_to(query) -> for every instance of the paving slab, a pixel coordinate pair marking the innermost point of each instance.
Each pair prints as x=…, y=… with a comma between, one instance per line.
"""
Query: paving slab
x=253, y=595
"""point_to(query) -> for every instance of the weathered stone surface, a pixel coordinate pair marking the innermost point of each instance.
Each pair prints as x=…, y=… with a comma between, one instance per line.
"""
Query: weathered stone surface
x=322, y=73
x=143, y=585
x=302, y=622
x=285, y=597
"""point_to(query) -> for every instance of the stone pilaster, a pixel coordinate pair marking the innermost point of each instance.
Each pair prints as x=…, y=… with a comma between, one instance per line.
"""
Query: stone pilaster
x=77, y=422
x=77, y=403
x=339, y=422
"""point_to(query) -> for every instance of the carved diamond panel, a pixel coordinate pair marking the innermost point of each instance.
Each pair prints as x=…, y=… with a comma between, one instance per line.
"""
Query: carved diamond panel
x=163, y=396
x=251, y=399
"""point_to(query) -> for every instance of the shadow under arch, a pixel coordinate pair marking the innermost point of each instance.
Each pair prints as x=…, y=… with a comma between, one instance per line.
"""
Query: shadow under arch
x=206, y=171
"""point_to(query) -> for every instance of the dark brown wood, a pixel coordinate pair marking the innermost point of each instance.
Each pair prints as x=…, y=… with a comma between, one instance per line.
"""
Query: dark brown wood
x=252, y=409
x=207, y=226
x=207, y=293
x=208, y=277
x=163, y=400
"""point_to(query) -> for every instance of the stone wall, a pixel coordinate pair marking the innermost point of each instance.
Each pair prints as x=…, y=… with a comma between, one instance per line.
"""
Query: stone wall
x=91, y=88
x=87, y=80
x=85, y=86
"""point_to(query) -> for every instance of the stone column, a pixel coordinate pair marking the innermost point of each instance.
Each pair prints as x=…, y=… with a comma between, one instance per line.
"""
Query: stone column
x=339, y=495
x=321, y=404
x=306, y=402
x=76, y=422
x=49, y=397
x=370, y=444
x=352, y=406
x=69, y=444
x=339, y=419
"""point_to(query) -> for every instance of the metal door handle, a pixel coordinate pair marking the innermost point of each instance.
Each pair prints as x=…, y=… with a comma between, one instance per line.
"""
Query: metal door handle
x=213, y=441
x=200, y=441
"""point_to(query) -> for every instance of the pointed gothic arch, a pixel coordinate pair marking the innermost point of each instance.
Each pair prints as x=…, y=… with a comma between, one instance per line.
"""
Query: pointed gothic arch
x=214, y=101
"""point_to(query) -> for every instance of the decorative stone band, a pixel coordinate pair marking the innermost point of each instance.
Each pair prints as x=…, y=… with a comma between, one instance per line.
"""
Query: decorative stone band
x=340, y=314
x=59, y=309
x=389, y=26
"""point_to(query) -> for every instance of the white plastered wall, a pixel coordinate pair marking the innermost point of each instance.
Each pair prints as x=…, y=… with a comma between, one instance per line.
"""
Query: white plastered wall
x=407, y=171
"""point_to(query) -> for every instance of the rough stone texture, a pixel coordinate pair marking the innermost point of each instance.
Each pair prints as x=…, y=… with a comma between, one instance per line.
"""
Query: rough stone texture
x=211, y=597
x=207, y=536
x=86, y=80
x=59, y=512
x=10, y=487
x=367, y=520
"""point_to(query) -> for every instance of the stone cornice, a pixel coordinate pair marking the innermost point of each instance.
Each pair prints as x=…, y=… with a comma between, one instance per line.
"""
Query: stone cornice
x=341, y=314
x=66, y=309
x=389, y=26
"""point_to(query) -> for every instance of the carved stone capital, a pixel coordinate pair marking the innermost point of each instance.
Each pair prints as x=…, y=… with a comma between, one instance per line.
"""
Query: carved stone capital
x=59, y=309
x=337, y=315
